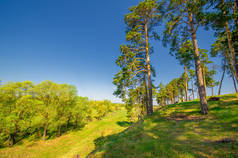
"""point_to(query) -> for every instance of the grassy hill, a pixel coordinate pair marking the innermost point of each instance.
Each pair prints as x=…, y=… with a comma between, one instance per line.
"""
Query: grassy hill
x=178, y=131
x=70, y=144
x=174, y=131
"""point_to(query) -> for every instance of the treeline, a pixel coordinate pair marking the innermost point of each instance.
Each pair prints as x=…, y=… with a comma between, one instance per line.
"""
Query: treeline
x=44, y=110
x=179, y=22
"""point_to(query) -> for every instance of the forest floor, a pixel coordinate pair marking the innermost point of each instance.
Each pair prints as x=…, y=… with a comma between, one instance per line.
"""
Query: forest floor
x=171, y=132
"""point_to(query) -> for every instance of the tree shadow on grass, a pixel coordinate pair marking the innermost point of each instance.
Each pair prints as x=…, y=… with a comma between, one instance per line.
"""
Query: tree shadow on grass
x=124, y=123
x=179, y=136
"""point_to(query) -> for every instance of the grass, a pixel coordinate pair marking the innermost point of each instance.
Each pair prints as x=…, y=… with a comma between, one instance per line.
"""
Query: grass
x=70, y=144
x=175, y=131
x=178, y=131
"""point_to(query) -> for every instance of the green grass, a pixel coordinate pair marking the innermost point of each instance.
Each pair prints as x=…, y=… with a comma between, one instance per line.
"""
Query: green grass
x=70, y=144
x=176, y=131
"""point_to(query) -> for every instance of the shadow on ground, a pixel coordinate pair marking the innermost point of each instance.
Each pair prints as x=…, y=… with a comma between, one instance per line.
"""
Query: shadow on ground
x=124, y=123
x=174, y=132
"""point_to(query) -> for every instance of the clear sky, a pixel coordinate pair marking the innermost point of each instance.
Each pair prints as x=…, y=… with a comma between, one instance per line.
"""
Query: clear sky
x=75, y=42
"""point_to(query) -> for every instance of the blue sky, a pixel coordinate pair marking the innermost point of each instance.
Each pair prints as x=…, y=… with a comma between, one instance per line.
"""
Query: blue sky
x=75, y=42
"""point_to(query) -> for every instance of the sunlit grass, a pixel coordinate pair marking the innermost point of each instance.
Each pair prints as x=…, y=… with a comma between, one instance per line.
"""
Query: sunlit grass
x=72, y=143
x=180, y=131
x=175, y=131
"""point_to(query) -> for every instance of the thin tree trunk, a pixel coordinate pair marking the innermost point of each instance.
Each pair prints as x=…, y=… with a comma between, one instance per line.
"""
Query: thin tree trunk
x=201, y=87
x=192, y=89
x=76, y=122
x=222, y=77
x=204, y=79
x=223, y=74
x=231, y=48
x=68, y=121
x=233, y=72
x=9, y=140
x=234, y=82
x=148, y=71
x=235, y=9
x=186, y=82
x=45, y=131
x=59, y=130
x=146, y=95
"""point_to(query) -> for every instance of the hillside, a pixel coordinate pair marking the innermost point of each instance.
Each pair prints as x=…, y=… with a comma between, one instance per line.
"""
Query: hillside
x=179, y=131
x=70, y=144
x=174, y=131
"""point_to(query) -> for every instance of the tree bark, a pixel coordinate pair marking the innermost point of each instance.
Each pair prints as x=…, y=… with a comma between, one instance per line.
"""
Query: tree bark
x=186, y=82
x=76, y=122
x=204, y=79
x=45, y=131
x=11, y=140
x=59, y=130
x=192, y=89
x=201, y=87
x=68, y=121
x=234, y=82
x=231, y=48
x=146, y=95
x=235, y=9
x=222, y=77
x=233, y=72
x=148, y=70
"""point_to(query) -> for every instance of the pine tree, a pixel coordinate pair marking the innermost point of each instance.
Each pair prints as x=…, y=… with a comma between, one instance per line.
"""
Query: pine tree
x=183, y=20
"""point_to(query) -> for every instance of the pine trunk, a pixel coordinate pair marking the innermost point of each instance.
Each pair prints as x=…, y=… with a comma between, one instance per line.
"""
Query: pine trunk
x=148, y=71
x=231, y=48
x=233, y=72
x=204, y=79
x=201, y=87
x=186, y=82
x=234, y=82
x=222, y=77
x=235, y=9
x=192, y=89
x=146, y=95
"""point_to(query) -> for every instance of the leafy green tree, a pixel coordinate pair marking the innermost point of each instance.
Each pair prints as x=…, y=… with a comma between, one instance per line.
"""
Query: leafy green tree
x=80, y=111
x=28, y=110
x=65, y=101
x=17, y=109
x=45, y=92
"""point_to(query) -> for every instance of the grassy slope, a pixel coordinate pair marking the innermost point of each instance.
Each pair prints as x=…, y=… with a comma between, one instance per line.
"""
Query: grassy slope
x=174, y=131
x=178, y=131
x=77, y=142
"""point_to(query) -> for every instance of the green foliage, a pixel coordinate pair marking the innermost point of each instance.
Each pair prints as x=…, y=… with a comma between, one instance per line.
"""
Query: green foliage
x=133, y=81
x=43, y=109
x=174, y=131
x=172, y=92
